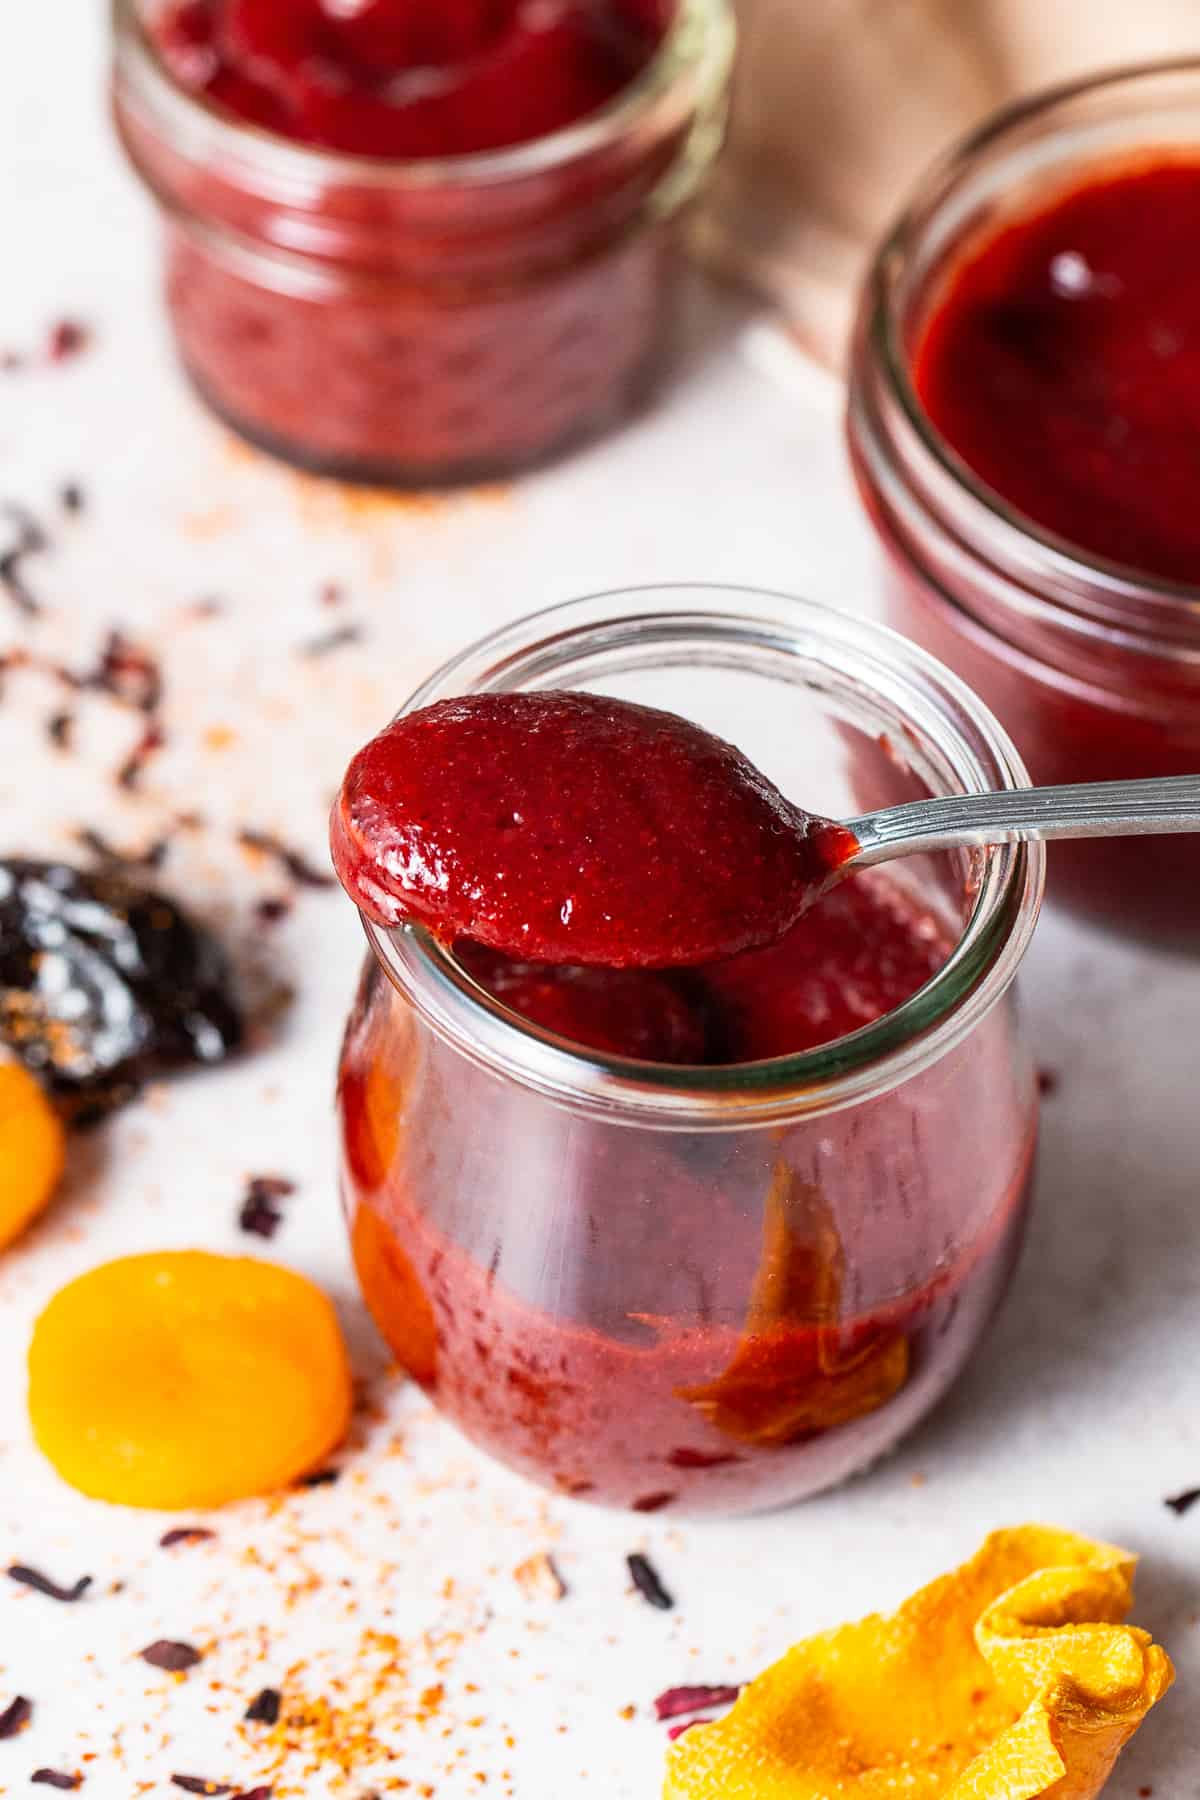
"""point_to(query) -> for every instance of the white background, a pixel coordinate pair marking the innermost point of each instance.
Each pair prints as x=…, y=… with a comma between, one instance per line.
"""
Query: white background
x=1083, y=1407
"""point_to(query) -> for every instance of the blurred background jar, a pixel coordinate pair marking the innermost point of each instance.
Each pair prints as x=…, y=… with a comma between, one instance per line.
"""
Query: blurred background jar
x=430, y=319
x=1093, y=666
x=706, y=1289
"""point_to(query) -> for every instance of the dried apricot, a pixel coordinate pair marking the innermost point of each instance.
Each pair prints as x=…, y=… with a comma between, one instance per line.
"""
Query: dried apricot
x=185, y=1379
x=32, y=1150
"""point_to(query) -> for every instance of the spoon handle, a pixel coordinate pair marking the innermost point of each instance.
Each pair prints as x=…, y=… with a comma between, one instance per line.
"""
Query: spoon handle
x=1083, y=809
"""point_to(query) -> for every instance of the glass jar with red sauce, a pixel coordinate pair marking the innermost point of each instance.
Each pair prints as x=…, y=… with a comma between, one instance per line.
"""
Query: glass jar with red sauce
x=1022, y=417
x=717, y=1287
x=435, y=318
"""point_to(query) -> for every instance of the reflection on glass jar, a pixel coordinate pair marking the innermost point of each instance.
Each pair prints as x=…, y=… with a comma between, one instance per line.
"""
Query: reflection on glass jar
x=1092, y=666
x=712, y=1288
x=433, y=320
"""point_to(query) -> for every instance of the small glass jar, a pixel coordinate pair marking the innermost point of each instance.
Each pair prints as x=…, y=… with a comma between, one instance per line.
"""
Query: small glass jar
x=705, y=1289
x=427, y=321
x=1094, y=670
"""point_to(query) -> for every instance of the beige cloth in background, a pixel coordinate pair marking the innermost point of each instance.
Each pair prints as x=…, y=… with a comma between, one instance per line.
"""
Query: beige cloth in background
x=839, y=104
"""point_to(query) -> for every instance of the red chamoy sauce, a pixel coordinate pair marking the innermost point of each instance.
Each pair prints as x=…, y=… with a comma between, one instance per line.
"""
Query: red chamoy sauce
x=568, y=827
x=1061, y=362
x=410, y=78
x=640, y=1317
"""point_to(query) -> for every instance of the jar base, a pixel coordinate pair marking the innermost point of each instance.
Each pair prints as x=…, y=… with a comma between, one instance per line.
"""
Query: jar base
x=623, y=409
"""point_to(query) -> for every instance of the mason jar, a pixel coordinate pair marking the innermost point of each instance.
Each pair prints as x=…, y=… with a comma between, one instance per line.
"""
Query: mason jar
x=706, y=1289
x=433, y=320
x=1093, y=668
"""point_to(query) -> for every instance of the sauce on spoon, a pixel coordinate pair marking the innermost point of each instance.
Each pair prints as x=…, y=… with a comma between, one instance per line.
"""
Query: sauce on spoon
x=567, y=827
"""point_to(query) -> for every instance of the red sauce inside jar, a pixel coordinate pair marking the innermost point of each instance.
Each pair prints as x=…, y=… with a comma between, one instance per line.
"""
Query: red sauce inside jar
x=712, y=1351
x=1061, y=362
x=408, y=79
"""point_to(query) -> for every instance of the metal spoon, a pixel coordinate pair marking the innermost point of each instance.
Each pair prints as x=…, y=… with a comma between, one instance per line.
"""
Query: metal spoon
x=1082, y=809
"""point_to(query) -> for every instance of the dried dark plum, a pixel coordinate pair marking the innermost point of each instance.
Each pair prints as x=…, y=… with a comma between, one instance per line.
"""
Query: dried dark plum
x=105, y=982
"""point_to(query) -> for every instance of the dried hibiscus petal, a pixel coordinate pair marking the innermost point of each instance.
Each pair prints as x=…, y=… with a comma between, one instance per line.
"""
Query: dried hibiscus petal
x=42, y=1584
x=676, y=1702
x=105, y=982
x=171, y=1655
x=15, y=1716
x=646, y=1581
x=264, y=1708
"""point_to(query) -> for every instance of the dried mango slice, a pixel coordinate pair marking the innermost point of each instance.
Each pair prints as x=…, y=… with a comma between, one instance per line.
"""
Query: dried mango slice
x=32, y=1150
x=1006, y=1679
x=185, y=1379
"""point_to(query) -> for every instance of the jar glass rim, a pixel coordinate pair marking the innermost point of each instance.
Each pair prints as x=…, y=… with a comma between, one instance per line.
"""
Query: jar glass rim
x=737, y=626
x=1071, y=564
x=699, y=42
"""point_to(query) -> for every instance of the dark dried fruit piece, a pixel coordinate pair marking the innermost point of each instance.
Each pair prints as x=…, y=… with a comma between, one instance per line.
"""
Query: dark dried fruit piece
x=264, y=1708
x=255, y=1793
x=56, y=1778
x=171, y=1655
x=185, y=1534
x=105, y=982
x=196, y=1784
x=16, y=1716
x=676, y=1702
x=42, y=1584
x=646, y=1581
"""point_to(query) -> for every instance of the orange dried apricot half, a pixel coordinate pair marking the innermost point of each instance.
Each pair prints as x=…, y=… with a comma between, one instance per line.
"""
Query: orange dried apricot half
x=186, y=1379
x=32, y=1150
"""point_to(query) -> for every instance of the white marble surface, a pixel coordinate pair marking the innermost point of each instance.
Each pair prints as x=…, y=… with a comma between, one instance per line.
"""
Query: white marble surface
x=1082, y=1410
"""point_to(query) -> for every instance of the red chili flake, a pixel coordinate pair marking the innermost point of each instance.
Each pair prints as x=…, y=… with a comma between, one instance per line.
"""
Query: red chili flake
x=1181, y=1503
x=646, y=1581
x=169, y=1654
x=330, y=641
x=1048, y=1081
x=185, y=1534
x=56, y=1778
x=677, y=1701
x=129, y=774
x=152, y=857
x=701, y=1459
x=320, y=1478
x=650, y=1503
x=42, y=1584
x=68, y=338
x=257, y=1793
x=677, y=1731
x=295, y=862
x=274, y=908
x=259, y=1213
x=190, y=821
x=70, y=497
x=196, y=1784
x=264, y=1708
x=16, y=1716
x=1144, y=1793
x=332, y=594
x=60, y=729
